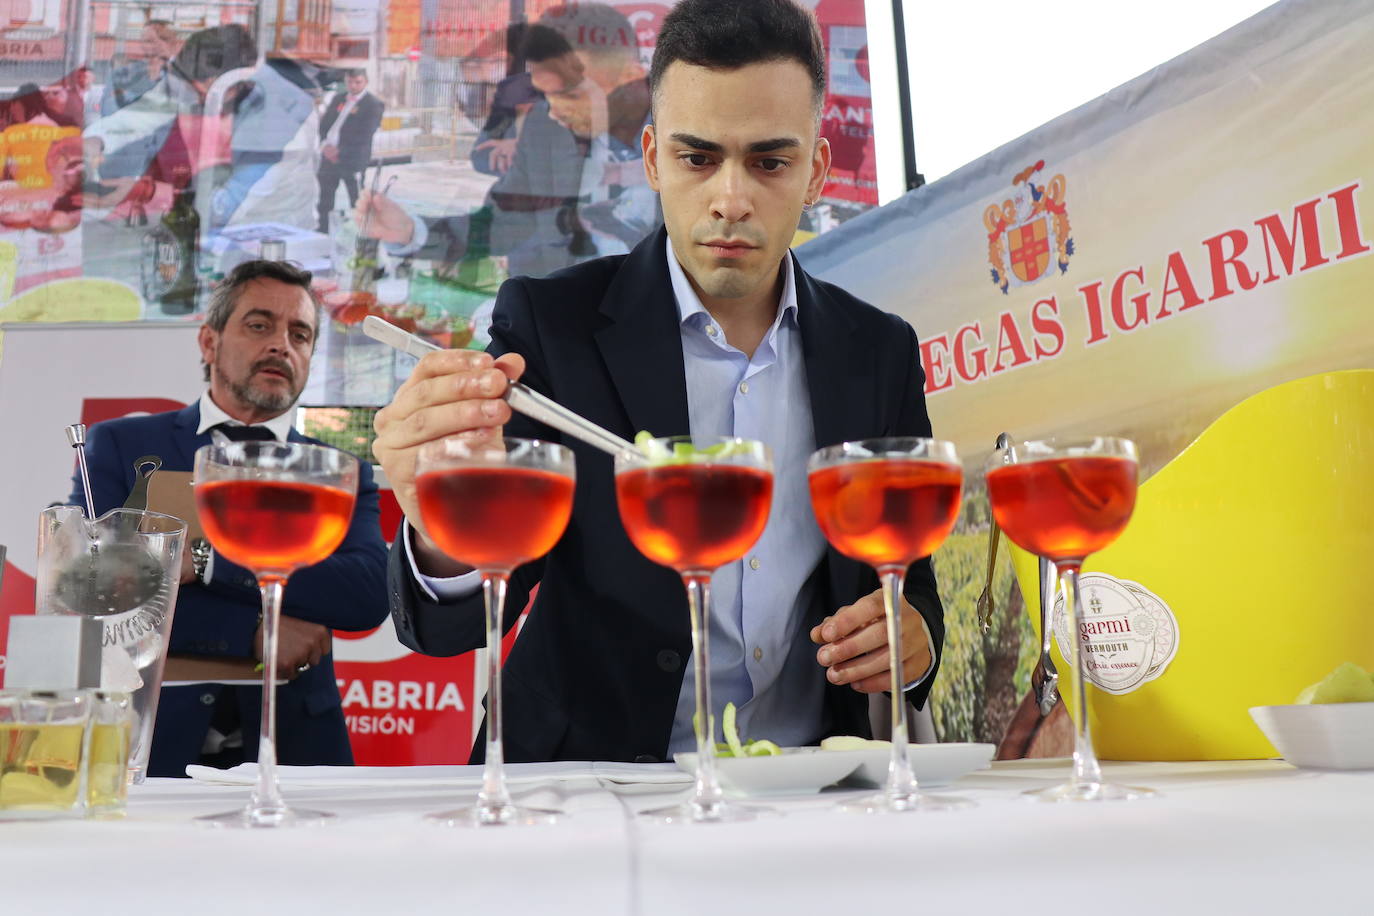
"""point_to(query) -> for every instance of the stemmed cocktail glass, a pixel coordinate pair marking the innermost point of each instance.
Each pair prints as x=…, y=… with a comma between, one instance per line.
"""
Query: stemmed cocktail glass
x=1064, y=501
x=889, y=503
x=273, y=508
x=495, y=506
x=694, y=507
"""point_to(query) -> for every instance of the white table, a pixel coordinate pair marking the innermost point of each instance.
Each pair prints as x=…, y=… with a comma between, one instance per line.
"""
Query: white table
x=1246, y=838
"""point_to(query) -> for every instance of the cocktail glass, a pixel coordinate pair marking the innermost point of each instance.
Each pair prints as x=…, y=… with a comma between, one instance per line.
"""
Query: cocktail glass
x=495, y=506
x=273, y=508
x=1064, y=500
x=695, y=506
x=889, y=503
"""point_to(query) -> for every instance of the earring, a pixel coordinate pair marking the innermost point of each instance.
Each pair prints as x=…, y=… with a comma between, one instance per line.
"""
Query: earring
x=807, y=205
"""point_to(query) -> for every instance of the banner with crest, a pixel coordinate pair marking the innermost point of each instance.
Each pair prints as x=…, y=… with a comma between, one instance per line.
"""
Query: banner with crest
x=1136, y=267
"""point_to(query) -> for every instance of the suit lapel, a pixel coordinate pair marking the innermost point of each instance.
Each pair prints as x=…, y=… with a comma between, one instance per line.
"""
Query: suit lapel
x=838, y=380
x=185, y=441
x=642, y=344
x=834, y=371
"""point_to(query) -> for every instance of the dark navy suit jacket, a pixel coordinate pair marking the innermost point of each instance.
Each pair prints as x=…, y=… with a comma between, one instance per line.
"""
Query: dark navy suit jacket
x=345, y=592
x=597, y=670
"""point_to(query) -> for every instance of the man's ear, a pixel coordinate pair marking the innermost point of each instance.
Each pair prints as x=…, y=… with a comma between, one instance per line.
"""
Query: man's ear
x=649, y=147
x=820, y=168
x=208, y=340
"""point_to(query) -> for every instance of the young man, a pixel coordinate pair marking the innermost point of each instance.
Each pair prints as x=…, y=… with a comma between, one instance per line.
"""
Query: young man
x=709, y=327
x=256, y=343
x=575, y=187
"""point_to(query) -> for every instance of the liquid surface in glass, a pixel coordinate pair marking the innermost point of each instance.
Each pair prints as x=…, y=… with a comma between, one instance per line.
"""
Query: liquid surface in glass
x=694, y=517
x=886, y=512
x=495, y=518
x=1064, y=509
x=274, y=526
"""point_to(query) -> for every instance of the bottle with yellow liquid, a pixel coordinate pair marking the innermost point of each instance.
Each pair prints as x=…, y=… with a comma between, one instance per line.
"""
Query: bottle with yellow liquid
x=107, y=758
x=43, y=737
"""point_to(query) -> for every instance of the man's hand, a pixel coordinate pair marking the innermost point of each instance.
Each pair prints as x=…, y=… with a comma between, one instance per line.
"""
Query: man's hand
x=330, y=152
x=853, y=644
x=450, y=392
x=298, y=643
x=384, y=218
x=502, y=153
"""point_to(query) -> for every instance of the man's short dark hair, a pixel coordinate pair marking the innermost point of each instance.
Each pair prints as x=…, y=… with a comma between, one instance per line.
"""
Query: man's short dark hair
x=729, y=34
x=543, y=43
x=356, y=72
x=226, y=296
x=212, y=52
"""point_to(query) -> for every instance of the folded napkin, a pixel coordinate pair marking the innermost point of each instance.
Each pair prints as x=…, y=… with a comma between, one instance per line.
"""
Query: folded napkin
x=246, y=774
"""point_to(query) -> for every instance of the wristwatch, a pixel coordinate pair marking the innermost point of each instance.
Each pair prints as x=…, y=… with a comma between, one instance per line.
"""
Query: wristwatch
x=200, y=558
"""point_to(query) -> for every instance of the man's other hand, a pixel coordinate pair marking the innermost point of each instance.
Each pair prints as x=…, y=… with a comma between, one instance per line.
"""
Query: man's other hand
x=384, y=218
x=853, y=644
x=449, y=393
x=298, y=643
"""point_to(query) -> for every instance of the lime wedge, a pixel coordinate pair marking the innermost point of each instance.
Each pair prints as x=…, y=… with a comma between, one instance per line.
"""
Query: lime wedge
x=763, y=748
x=731, y=734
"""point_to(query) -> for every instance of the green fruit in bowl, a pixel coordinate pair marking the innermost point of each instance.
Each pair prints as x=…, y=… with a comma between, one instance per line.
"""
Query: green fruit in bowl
x=1349, y=683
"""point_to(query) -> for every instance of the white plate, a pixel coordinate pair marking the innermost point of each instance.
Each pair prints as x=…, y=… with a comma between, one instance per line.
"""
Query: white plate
x=934, y=764
x=1328, y=736
x=794, y=771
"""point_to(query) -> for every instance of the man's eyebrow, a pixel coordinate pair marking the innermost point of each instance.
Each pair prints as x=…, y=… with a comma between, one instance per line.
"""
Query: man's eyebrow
x=759, y=146
x=772, y=146
x=696, y=142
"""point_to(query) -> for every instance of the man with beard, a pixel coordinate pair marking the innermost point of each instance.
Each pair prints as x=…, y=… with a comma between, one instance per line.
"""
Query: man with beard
x=256, y=343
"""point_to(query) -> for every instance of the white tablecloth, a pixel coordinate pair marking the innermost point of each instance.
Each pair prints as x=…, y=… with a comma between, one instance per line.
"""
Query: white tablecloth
x=1245, y=838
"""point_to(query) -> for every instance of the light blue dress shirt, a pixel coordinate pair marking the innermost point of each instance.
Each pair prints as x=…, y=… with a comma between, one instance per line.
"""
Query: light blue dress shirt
x=759, y=662
x=759, y=602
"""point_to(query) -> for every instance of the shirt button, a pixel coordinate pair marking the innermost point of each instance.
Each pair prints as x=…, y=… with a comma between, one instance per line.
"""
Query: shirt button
x=208, y=699
x=758, y=654
x=753, y=562
x=711, y=330
x=669, y=661
x=743, y=387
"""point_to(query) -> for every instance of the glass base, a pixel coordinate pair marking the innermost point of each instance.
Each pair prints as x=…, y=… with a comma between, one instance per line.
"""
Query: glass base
x=253, y=818
x=1088, y=792
x=902, y=803
x=718, y=812
x=495, y=816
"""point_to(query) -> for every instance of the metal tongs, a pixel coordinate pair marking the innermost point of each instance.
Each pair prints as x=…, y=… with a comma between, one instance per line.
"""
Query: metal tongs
x=520, y=398
x=1044, y=677
x=986, y=606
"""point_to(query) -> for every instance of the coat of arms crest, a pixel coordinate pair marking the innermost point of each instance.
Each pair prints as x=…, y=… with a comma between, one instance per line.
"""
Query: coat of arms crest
x=1029, y=231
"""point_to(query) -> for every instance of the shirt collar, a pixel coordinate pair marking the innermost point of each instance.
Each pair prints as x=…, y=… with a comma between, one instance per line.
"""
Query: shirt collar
x=689, y=303
x=279, y=426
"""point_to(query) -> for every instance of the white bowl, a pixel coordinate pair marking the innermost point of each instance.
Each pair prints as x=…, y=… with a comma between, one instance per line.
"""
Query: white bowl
x=933, y=764
x=1328, y=736
x=795, y=770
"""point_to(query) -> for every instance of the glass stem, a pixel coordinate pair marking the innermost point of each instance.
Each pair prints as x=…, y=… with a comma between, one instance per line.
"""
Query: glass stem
x=494, y=790
x=1085, y=767
x=901, y=781
x=708, y=792
x=267, y=796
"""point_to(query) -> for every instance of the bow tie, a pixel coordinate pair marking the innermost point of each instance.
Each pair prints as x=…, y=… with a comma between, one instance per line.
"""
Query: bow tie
x=238, y=433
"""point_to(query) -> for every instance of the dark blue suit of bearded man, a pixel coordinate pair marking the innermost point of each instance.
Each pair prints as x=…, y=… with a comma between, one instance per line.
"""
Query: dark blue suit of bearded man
x=345, y=592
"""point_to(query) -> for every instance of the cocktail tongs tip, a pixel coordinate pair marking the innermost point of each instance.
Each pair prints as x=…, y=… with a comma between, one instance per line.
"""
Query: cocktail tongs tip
x=986, y=605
